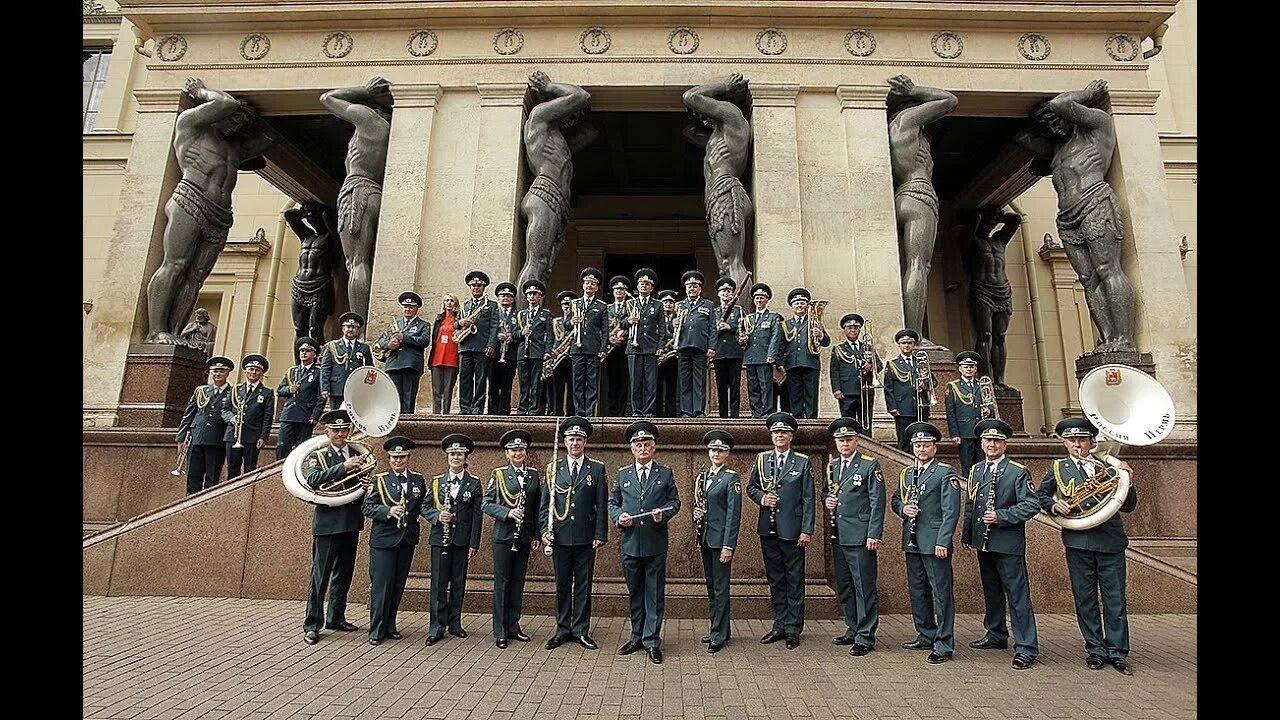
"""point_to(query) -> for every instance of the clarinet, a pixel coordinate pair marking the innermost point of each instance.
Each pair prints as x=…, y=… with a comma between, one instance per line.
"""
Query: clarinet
x=773, y=511
x=833, y=486
x=913, y=496
x=515, y=536
x=991, y=507
x=448, y=527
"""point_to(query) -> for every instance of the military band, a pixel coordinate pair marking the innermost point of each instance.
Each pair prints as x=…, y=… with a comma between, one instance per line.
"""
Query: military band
x=512, y=499
x=452, y=507
x=535, y=339
x=339, y=357
x=668, y=367
x=727, y=349
x=393, y=504
x=559, y=387
x=502, y=367
x=247, y=410
x=801, y=338
x=479, y=346
x=403, y=346
x=300, y=386
x=854, y=495
x=617, y=383
x=906, y=387
x=645, y=321
x=853, y=367
x=717, y=515
x=964, y=410
x=202, y=427
x=695, y=332
x=588, y=322
x=762, y=352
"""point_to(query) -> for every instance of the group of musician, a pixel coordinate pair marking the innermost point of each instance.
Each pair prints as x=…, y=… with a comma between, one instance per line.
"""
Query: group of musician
x=569, y=508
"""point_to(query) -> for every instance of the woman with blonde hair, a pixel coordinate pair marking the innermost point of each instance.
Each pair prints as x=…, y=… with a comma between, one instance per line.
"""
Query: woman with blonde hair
x=444, y=355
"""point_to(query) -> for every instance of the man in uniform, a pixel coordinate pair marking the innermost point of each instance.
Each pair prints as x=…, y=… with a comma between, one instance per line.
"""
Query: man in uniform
x=301, y=385
x=726, y=351
x=642, y=355
x=668, y=372
x=512, y=499
x=717, y=515
x=252, y=404
x=904, y=390
x=591, y=318
x=535, y=339
x=335, y=531
x=410, y=335
x=452, y=506
x=1095, y=557
x=617, y=385
x=854, y=495
x=695, y=335
x=928, y=501
x=642, y=501
x=574, y=516
x=762, y=334
x=964, y=410
x=202, y=421
x=853, y=364
x=802, y=366
x=1002, y=498
x=393, y=505
x=782, y=485
x=340, y=357
x=559, y=387
x=475, y=351
x=503, y=367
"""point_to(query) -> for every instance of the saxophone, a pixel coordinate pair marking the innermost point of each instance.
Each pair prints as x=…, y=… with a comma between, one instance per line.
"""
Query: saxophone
x=700, y=505
x=467, y=331
x=987, y=402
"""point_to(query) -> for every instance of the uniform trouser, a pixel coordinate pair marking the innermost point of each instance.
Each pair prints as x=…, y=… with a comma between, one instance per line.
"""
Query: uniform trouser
x=933, y=607
x=970, y=454
x=559, y=390
x=473, y=377
x=760, y=390
x=802, y=389
x=448, y=584
x=388, y=573
x=851, y=407
x=292, y=434
x=855, y=568
x=509, y=569
x=335, y=402
x=617, y=383
x=333, y=562
x=443, y=379
x=783, y=396
x=531, y=399
x=900, y=423
x=501, y=377
x=1093, y=573
x=204, y=466
x=644, y=384
x=1004, y=577
x=669, y=389
x=241, y=460
x=575, y=568
x=586, y=384
x=406, y=382
x=693, y=382
x=646, y=589
x=784, y=567
x=729, y=386
x=717, y=575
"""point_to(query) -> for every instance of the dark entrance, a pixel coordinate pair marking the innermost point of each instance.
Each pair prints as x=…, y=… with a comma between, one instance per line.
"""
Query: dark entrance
x=669, y=268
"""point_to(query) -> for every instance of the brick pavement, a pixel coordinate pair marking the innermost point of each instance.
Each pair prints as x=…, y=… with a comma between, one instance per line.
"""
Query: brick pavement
x=148, y=658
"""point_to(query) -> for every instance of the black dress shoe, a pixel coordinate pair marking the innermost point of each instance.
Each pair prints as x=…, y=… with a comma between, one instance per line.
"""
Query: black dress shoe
x=1022, y=662
x=842, y=640
x=342, y=626
x=630, y=647
x=375, y=641
x=311, y=637
x=987, y=643
x=556, y=641
x=937, y=658
x=772, y=636
x=393, y=635
x=521, y=637
x=917, y=645
x=457, y=632
x=501, y=643
x=706, y=639
x=1122, y=667
x=433, y=639
x=859, y=650
x=1095, y=662
x=586, y=642
x=793, y=642
x=655, y=655
x=714, y=648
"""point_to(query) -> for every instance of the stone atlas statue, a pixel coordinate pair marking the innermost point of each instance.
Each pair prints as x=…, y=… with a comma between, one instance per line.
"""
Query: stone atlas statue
x=723, y=130
x=990, y=293
x=316, y=226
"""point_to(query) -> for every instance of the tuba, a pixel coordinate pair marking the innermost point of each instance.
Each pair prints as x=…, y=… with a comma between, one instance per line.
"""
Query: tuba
x=1128, y=407
x=373, y=403
x=987, y=406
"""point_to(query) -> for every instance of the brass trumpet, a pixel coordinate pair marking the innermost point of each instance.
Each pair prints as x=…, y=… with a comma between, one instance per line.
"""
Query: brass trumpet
x=182, y=457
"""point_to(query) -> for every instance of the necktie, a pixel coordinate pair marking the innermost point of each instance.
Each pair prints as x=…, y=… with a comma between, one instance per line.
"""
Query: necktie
x=781, y=459
x=573, y=471
x=844, y=467
x=644, y=475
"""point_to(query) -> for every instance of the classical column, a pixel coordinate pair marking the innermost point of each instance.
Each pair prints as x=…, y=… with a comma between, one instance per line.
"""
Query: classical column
x=497, y=180
x=775, y=187
x=135, y=252
x=1151, y=257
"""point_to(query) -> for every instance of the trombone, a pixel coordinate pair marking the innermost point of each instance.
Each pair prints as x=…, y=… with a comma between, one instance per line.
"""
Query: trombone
x=925, y=376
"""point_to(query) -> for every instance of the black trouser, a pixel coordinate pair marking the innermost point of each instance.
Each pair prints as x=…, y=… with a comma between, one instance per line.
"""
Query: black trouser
x=559, y=390
x=1093, y=573
x=693, y=382
x=646, y=590
x=855, y=568
x=335, y=402
x=760, y=390
x=292, y=434
x=531, y=398
x=1004, y=577
x=802, y=391
x=586, y=384
x=241, y=460
x=783, y=395
x=204, y=466
x=644, y=384
x=617, y=384
x=851, y=407
x=501, y=377
x=970, y=454
x=784, y=567
x=900, y=423
x=448, y=585
x=668, y=389
x=509, y=569
x=333, y=562
x=729, y=386
x=717, y=575
x=575, y=567
x=406, y=382
x=933, y=608
x=388, y=573
x=473, y=375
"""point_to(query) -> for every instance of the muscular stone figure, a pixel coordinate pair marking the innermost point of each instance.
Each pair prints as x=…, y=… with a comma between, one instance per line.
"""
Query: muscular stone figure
x=723, y=130
x=990, y=294
x=315, y=225
x=200, y=333
x=213, y=141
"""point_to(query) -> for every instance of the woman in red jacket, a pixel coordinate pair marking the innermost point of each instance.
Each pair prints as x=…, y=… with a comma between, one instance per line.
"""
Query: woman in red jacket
x=444, y=356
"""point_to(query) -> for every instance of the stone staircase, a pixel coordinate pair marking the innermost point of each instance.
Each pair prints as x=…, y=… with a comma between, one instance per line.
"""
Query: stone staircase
x=1179, y=552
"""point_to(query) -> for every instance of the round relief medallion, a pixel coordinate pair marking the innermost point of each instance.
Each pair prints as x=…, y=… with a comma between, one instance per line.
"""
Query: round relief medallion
x=860, y=43
x=683, y=40
x=508, y=41
x=947, y=44
x=594, y=40
x=422, y=43
x=337, y=44
x=1034, y=46
x=771, y=41
x=1122, y=47
x=255, y=46
x=171, y=48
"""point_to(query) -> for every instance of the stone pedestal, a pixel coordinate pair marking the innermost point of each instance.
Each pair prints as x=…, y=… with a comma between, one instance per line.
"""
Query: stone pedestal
x=1009, y=401
x=1143, y=361
x=158, y=380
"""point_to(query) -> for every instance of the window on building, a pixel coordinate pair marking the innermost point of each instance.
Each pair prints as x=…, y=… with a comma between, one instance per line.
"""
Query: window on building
x=95, y=64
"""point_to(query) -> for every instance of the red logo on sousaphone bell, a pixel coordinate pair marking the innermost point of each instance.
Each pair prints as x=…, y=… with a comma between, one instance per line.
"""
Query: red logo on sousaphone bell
x=1113, y=376
x=371, y=377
